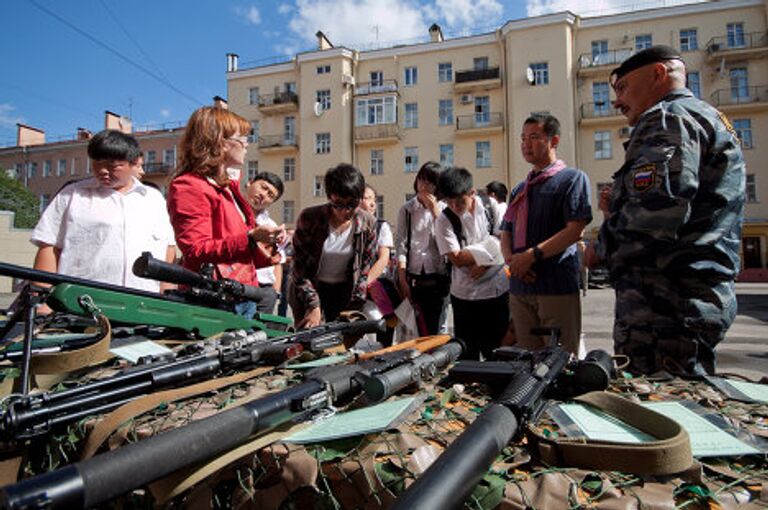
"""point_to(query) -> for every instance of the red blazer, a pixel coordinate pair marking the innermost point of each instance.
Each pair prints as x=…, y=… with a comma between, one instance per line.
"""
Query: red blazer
x=209, y=228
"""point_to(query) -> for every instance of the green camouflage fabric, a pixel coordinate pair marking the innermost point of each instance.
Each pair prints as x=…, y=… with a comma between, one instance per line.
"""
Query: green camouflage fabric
x=672, y=239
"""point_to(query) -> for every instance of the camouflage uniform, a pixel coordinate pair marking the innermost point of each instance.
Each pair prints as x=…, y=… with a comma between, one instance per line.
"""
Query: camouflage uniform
x=672, y=239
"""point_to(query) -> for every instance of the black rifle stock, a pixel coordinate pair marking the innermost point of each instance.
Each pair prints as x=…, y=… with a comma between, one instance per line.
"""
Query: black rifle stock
x=106, y=476
x=448, y=482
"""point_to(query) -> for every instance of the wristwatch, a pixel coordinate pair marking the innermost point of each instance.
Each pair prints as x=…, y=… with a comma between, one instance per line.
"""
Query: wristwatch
x=538, y=255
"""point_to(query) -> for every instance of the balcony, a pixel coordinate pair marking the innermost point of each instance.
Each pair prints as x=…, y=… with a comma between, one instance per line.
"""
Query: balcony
x=602, y=63
x=377, y=134
x=599, y=113
x=477, y=79
x=737, y=46
x=480, y=123
x=372, y=87
x=741, y=99
x=281, y=102
x=278, y=143
x=157, y=168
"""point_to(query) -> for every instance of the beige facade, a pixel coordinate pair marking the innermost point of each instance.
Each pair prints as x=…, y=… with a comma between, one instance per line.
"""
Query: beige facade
x=469, y=97
x=16, y=248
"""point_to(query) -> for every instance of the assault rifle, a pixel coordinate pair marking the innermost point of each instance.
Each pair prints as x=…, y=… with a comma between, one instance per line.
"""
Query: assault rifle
x=106, y=476
x=132, y=306
x=447, y=483
x=27, y=416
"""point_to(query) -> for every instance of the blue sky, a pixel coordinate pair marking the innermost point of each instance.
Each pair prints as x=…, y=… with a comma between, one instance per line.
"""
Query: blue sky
x=67, y=61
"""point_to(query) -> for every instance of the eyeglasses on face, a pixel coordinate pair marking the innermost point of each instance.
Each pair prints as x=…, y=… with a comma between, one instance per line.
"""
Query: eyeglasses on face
x=349, y=205
x=242, y=140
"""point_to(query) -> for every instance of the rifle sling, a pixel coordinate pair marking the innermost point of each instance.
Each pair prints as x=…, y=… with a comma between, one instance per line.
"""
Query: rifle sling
x=67, y=361
x=111, y=422
x=669, y=454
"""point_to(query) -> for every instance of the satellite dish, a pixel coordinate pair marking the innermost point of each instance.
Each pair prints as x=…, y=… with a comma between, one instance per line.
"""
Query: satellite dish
x=529, y=76
x=318, y=109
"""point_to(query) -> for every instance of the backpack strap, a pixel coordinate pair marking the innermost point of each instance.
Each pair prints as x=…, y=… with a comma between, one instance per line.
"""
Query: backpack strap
x=408, y=239
x=670, y=453
x=490, y=212
x=456, y=224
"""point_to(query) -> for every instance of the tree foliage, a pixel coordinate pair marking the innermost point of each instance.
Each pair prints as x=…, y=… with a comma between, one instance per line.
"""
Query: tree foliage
x=15, y=197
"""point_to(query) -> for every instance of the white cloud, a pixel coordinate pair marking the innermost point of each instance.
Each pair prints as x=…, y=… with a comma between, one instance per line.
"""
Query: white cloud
x=358, y=22
x=597, y=7
x=7, y=117
x=165, y=113
x=284, y=8
x=250, y=14
x=469, y=13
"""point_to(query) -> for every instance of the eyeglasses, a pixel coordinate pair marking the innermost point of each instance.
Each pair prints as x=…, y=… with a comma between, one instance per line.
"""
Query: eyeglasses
x=242, y=140
x=345, y=205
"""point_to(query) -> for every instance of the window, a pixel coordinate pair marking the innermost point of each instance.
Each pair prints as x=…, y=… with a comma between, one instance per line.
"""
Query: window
x=540, y=73
x=150, y=157
x=751, y=189
x=289, y=169
x=377, y=162
x=322, y=143
x=602, y=145
x=252, y=168
x=643, y=41
x=290, y=87
x=735, y=35
x=324, y=69
x=62, y=168
x=411, y=76
x=47, y=168
x=598, y=48
x=324, y=98
x=482, y=154
x=688, y=40
x=480, y=63
x=318, y=190
x=482, y=111
x=253, y=95
x=18, y=170
x=743, y=128
x=253, y=136
x=44, y=201
x=444, y=72
x=601, y=96
x=445, y=112
x=739, y=84
x=169, y=157
x=377, y=78
x=693, y=83
x=289, y=211
x=378, y=110
x=31, y=169
x=379, y=206
x=411, y=159
x=446, y=154
x=289, y=131
x=411, y=115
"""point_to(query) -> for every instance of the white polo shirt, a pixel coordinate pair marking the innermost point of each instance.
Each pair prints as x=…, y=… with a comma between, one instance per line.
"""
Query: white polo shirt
x=266, y=275
x=101, y=232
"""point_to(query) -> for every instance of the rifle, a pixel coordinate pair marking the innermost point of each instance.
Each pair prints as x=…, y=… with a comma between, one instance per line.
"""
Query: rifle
x=451, y=478
x=106, y=476
x=27, y=416
x=132, y=306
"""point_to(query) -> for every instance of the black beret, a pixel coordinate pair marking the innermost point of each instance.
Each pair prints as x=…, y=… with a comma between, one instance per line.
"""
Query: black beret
x=647, y=56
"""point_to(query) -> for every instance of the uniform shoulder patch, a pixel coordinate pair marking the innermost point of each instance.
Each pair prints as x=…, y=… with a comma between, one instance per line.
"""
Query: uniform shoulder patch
x=644, y=176
x=727, y=123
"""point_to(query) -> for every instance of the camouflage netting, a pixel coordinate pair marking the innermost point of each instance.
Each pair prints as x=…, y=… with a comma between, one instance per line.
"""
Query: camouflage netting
x=368, y=472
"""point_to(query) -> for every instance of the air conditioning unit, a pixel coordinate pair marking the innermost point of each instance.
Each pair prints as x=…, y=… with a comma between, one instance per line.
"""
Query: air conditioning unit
x=466, y=98
x=348, y=79
x=624, y=132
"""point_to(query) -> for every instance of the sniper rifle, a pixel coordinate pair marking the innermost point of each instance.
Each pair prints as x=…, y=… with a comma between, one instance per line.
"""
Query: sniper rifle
x=106, y=476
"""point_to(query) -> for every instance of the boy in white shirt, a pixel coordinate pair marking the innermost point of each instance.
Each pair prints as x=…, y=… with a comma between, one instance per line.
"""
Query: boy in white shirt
x=97, y=227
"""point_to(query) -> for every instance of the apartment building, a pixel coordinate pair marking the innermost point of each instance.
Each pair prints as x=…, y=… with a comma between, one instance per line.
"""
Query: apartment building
x=45, y=166
x=462, y=101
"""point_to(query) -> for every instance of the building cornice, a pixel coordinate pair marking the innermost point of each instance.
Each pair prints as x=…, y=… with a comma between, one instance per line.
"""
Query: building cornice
x=428, y=47
x=312, y=56
x=262, y=71
x=539, y=21
x=666, y=12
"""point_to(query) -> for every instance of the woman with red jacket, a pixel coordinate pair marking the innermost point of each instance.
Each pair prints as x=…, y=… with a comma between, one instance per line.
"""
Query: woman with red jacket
x=212, y=220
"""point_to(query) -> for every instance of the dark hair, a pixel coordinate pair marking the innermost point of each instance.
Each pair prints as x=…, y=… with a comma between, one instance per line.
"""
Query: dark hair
x=454, y=181
x=549, y=122
x=271, y=178
x=113, y=144
x=344, y=181
x=498, y=189
x=429, y=171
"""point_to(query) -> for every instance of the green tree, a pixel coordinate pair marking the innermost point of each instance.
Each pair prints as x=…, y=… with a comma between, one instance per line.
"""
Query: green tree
x=15, y=197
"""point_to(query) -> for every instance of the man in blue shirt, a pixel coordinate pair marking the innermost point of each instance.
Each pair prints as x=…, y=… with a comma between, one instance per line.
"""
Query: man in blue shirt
x=546, y=216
